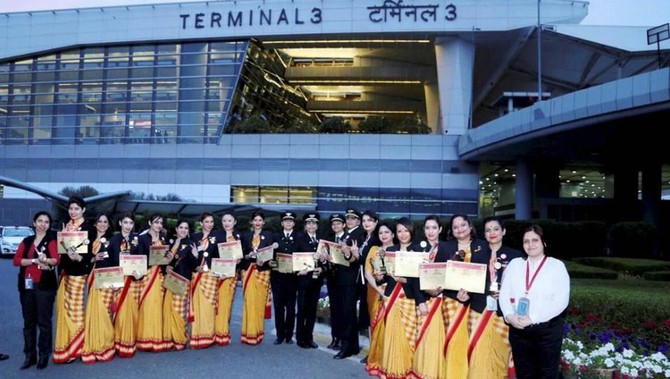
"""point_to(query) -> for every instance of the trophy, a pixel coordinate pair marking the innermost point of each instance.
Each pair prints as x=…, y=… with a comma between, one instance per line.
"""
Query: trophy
x=315, y=273
x=205, y=268
x=495, y=280
x=378, y=265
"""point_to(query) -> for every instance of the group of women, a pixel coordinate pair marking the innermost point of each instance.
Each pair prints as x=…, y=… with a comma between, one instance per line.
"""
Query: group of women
x=455, y=334
x=95, y=323
x=435, y=333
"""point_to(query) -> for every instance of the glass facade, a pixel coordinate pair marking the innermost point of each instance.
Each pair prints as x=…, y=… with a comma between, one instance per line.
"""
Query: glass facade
x=152, y=93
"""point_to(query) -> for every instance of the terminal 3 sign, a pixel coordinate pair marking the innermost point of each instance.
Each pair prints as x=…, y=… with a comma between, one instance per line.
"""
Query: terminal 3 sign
x=253, y=14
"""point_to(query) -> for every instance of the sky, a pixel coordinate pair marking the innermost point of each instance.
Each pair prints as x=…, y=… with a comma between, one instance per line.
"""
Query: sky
x=647, y=13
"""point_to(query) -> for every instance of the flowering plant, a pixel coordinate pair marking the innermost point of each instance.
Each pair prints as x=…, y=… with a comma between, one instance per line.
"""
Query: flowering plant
x=603, y=361
x=323, y=306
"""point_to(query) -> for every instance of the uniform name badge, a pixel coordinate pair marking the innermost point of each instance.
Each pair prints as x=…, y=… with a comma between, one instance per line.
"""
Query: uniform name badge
x=523, y=306
x=491, y=304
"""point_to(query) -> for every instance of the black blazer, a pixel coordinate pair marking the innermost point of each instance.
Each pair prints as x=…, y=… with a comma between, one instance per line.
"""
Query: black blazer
x=83, y=267
x=411, y=288
x=357, y=235
x=111, y=260
x=305, y=244
x=440, y=256
x=221, y=236
x=183, y=262
x=481, y=253
x=266, y=240
x=287, y=245
x=212, y=248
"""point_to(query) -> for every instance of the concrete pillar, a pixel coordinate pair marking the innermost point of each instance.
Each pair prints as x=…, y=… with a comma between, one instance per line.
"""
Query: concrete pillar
x=524, y=191
x=455, y=64
x=547, y=185
x=651, y=192
x=625, y=193
x=432, y=95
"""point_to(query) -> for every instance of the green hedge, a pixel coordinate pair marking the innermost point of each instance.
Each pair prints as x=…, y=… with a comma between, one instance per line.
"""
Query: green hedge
x=629, y=266
x=632, y=239
x=661, y=276
x=580, y=271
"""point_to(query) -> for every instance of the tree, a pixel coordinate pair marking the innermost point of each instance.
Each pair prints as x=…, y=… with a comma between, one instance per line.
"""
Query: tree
x=301, y=126
x=253, y=124
x=376, y=125
x=413, y=125
x=334, y=125
x=83, y=191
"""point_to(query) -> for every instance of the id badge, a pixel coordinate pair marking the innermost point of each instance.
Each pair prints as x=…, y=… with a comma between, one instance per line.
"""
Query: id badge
x=29, y=283
x=491, y=303
x=523, y=306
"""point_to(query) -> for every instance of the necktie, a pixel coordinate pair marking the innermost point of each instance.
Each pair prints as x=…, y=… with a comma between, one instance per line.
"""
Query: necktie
x=337, y=239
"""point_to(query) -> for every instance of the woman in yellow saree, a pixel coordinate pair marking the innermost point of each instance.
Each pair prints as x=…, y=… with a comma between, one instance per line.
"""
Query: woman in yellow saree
x=400, y=318
x=99, y=330
x=227, y=285
x=150, y=315
x=462, y=307
x=126, y=303
x=375, y=295
x=429, y=355
x=74, y=270
x=255, y=282
x=489, y=349
x=183, y=260
x=204, y=286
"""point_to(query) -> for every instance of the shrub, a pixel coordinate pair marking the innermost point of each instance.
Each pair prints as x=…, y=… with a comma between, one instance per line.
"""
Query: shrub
x=580, y=271
x=253, y=124
x=565, y=240
x=632, y=239
x=413, y=125
x=376, y=125
x=334, y=125
x=626, y=266
x=661, y=276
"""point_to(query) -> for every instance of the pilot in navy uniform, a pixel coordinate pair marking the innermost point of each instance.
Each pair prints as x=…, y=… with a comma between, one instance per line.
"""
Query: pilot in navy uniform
x=309, y=285
x=285, y=285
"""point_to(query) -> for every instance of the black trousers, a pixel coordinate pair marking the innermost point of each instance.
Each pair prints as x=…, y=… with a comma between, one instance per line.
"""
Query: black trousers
x=537, y=349
x=37, y=306
x=363, y=316
x=308, y=299
x=335, y=307
x=284, y=287
x=349, y=327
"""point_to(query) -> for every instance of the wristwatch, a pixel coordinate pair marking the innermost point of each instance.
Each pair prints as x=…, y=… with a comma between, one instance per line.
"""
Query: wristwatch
x=33, y=261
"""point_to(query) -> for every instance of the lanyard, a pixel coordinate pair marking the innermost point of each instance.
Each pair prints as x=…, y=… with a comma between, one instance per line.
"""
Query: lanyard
x=532, y=280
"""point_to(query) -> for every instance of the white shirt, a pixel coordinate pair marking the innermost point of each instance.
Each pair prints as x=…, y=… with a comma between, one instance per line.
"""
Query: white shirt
x=549, y=294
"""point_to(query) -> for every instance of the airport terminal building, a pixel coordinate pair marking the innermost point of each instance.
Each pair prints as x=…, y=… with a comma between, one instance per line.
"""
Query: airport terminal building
x=149, y=99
